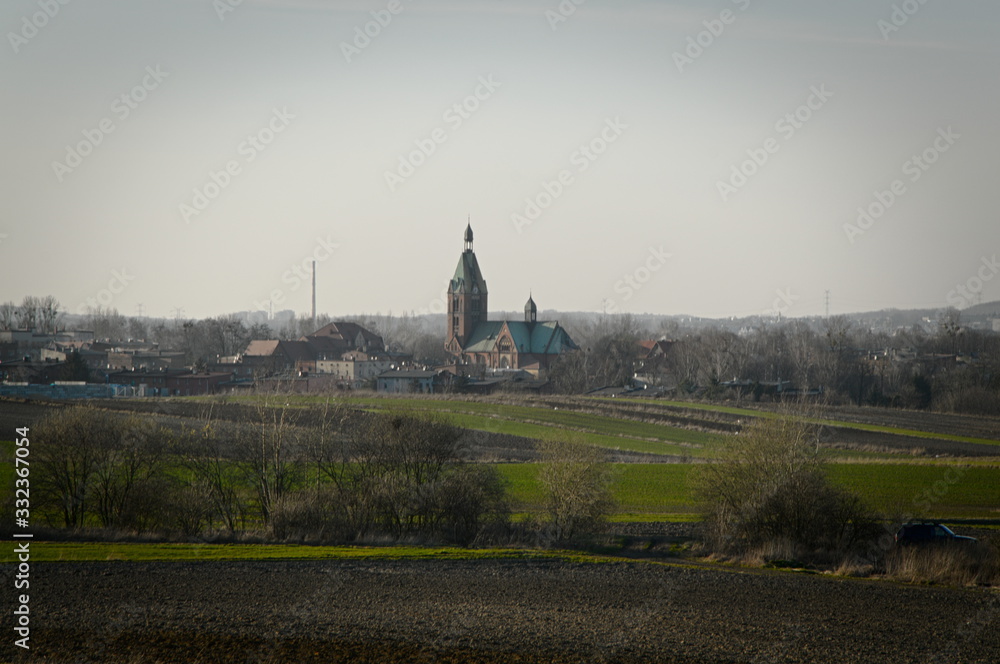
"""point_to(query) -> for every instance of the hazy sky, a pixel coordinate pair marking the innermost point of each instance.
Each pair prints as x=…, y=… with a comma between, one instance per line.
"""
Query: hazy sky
x=706, y=158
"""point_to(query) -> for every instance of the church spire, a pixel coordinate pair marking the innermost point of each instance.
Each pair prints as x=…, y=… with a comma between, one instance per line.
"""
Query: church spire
x=468, y=235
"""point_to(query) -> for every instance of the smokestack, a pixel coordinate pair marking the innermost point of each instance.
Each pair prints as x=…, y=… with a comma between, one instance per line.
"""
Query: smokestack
x=314, y=294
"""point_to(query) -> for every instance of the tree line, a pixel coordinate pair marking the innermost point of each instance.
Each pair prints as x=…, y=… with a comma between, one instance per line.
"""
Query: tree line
x=952, y=369
x=325, y=473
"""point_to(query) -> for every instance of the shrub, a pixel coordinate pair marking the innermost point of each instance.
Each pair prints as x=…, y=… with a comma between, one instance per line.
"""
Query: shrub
x=769, y=486
x=470, y=503
x=576, y=479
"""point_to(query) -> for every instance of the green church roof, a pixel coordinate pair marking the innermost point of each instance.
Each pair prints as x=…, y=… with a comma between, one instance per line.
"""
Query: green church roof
x=468, y=275
x=542, y=338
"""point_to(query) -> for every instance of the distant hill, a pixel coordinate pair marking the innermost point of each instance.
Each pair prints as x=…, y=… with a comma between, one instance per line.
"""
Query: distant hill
x=988, y=309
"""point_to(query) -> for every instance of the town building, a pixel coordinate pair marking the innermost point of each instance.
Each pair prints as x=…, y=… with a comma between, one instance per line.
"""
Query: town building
x=411, y=382
x=479, y=344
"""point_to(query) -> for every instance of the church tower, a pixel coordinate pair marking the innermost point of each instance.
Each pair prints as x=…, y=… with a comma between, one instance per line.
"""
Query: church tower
x=467, y=305
x=530, y=311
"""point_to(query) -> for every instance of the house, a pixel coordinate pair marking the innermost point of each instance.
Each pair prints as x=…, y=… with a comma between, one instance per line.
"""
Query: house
x=479, y=344
x=342, y=336
x=274, y=356
x=147, y=360
x=192, y=384
x=357, y=367
x=29, y=371
x=170, y=382
x=93, y=353
x=410, y=382
x=145, y=383
x=303, y=355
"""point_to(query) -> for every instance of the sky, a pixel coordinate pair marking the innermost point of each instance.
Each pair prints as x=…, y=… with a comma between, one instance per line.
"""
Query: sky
x=728, y=158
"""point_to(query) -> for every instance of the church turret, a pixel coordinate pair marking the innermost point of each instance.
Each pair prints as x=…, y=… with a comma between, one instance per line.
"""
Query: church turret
x=530, y=311
x=467, y=297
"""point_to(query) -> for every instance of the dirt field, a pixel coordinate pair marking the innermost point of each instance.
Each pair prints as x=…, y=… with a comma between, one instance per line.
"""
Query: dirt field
x=490, y=611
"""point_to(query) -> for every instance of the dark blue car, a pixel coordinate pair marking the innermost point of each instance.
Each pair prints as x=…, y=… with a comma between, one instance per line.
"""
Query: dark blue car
x=928, y=532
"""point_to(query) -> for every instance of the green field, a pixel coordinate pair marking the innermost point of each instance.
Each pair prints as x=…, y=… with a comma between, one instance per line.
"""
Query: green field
x=895, y=484
x=918, y=490
x=42, y=552
x=544, y=422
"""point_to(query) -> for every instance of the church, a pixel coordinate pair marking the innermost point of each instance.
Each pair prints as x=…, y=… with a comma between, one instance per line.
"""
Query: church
x=479, y=344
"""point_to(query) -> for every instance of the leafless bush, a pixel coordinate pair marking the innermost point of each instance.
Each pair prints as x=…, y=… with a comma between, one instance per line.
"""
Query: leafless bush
x=310, y=515
x=93, y=465
x=577, y=482
x=769, y=486
x=470, y=503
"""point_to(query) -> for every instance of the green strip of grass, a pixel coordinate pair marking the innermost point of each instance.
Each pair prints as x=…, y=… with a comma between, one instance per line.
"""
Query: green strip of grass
x=923, y=490
x=552, y=424
x=606, y=424
x=874, y=428
x=639, y=489
x=43, y=552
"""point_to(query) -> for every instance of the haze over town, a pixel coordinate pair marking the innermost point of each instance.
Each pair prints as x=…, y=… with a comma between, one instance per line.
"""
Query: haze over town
x=193, y=158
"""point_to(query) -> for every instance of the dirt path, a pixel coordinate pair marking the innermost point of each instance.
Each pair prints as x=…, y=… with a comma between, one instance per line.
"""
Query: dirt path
x=490, y=611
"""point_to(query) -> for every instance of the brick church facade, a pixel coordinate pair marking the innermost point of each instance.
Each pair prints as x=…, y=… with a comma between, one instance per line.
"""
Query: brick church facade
x=478, y=343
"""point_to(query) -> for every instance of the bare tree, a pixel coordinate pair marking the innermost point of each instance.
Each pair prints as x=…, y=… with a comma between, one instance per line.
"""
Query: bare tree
x=8, y=315
x=210, y=454
x=28, y=313
x=48, y=314
x=129, y=462
x=577, y=482
x=69, y=449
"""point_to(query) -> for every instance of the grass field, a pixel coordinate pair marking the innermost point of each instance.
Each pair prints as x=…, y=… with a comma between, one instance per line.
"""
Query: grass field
x=919, y=490
x=860, y=426
x=548, y=423
x=42, y=552
x=894, y=484
x=939, y=491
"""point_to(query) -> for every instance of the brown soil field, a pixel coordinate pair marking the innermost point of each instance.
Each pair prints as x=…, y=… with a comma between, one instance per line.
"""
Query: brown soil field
x=489, y=611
